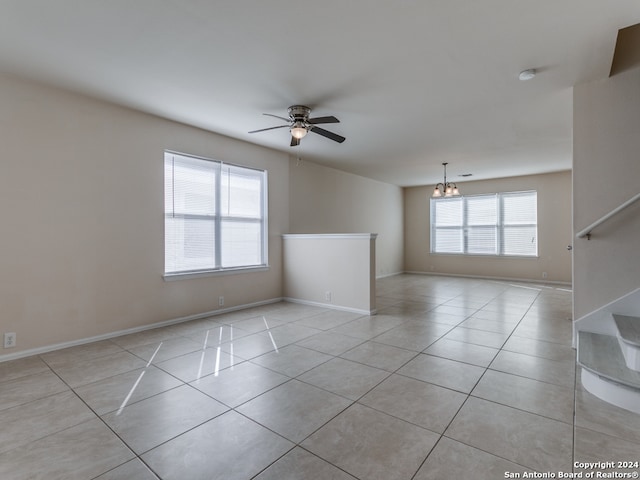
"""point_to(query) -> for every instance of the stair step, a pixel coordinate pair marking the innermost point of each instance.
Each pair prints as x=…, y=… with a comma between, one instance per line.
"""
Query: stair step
x=629, y=328
x=629, y=339
x=601, y=355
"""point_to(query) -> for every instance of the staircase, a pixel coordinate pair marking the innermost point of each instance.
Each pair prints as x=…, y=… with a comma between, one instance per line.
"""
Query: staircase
x=611, y=364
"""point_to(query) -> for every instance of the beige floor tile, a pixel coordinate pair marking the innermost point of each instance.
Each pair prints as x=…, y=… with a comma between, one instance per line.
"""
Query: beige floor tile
x=462, y=352
x=372, y=445
x=294, y=409
x=292, y=312
x=411, y=307
x=444, y=372
x=502, y=312
x=477, y=337
x=80, y=353
x=592, y=447
x=330, y=343
x=125, y=389
x=443, y=318
x=496, y=315
x=154, y=335
x=250, y=346
x=368, y=327
x=195, y=327
x=80, y=452
x=165, y=350
x=504, y=328
x=454, y=460
x=417, y=402
x=299, y=464
x=343, y=377
x=199, y=364
x=34, y=420
x=21, y=368
x=388, y=433
x=231, y=445
x=237, y=385
x=378, y=355
x=292, y=360
x=524, y=438
x=539, y=348
x=537, y=368
x=413, y=335
x=26, y=389
x=452, y=310
x=466, y=302
x=545, y=399
x=328, y=320
x=290, y=333
x=545, y=330
x=132, y=470
x=217, y=335
x=99, y=368
x=153, y=421
x=258, y=324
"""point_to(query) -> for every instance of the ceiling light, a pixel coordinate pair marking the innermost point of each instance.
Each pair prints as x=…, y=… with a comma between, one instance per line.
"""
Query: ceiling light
x=298, y=130
x=527, y=74
x=445, y=189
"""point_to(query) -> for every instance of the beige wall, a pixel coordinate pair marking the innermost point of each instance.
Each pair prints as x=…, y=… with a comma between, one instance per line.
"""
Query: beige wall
x=325, y=200
x=82, y=195
x=554, y=232
x=333, y=270
x=606, y=173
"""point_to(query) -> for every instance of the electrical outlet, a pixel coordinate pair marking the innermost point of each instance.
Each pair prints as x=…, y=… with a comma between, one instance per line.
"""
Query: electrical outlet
x=9, y=340
x=544, y=274
x=327, y=296
x=221, y=301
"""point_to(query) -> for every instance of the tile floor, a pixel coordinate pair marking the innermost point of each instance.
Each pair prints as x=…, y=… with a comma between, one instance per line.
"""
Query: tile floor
x=454, y=378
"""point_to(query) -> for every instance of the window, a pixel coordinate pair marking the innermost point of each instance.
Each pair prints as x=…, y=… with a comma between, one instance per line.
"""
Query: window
x=215, y=215
x=495, y=224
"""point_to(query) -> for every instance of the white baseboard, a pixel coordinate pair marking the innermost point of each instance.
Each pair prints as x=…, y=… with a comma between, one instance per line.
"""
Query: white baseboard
x=119, y=333
x=501, y=279
x=331, y=306
x=388, y=275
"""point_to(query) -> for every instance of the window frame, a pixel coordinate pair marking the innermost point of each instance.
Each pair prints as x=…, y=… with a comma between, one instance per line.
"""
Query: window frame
x=217, y=219
x=465, y=227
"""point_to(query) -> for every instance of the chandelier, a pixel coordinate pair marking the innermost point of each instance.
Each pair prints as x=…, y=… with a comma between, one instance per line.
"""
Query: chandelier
x=445, y=189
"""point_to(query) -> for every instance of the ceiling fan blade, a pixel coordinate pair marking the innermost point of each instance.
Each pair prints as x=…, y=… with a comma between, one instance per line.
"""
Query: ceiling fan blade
x=276, y=116
x=329, y=119
x=270, y=128
x=326, y=133
x=294, y=141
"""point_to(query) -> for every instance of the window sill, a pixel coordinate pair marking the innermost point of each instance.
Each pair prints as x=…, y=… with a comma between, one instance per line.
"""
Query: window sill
x=170, y=277
x=479, y=255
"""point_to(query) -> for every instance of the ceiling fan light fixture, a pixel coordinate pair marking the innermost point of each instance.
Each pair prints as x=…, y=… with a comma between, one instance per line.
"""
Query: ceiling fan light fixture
x=527, y=74
x=298, y=130
x=299, y=124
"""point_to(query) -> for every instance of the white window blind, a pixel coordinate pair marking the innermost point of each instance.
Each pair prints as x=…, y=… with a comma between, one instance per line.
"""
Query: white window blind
x=215, y=215
x=494, y=224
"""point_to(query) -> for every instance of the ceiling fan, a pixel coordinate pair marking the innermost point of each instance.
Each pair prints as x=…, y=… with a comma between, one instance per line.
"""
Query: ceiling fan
x=299, y=124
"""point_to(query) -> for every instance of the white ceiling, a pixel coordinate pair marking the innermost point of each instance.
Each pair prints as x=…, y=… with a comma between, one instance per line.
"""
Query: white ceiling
x=414, y=83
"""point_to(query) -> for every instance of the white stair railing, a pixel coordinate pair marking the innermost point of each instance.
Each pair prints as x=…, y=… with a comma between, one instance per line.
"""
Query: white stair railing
x=587, y=231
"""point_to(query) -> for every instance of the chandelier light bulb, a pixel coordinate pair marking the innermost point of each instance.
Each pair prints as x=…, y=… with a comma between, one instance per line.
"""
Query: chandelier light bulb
x=445, y=188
